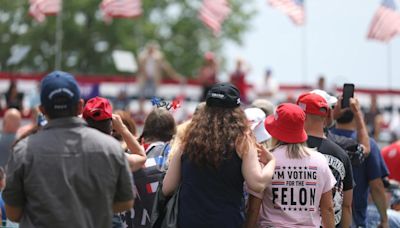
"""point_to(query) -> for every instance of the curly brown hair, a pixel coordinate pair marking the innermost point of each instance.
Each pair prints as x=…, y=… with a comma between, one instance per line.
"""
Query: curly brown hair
x=213, y=133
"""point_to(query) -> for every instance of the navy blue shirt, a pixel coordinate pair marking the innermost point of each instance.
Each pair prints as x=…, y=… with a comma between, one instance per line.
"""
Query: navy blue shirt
x=3, y=211
x=211, y=197
x=372, y=168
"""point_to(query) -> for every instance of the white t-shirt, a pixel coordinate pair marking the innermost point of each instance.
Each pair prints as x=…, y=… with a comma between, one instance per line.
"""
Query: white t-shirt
x=292, y=199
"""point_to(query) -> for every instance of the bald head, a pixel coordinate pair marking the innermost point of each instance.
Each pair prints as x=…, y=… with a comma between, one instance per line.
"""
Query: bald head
x=11, y=120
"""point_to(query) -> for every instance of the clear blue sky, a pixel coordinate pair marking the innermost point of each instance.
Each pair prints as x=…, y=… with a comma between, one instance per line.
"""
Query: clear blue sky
x=336, y=45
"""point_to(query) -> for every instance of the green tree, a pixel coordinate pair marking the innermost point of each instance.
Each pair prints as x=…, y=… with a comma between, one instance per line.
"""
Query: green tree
x=88, y=41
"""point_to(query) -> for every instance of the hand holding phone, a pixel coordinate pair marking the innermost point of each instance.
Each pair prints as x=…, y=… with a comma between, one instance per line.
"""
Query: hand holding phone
x=348, y=92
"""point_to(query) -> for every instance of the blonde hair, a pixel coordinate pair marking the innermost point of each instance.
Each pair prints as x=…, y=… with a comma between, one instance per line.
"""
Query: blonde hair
x=267, y=143
x=177, y=140
x=294, y=150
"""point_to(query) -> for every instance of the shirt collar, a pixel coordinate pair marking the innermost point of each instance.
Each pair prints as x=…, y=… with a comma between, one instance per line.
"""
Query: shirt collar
x=151, y=145
x=343, y=132
x=65, y=122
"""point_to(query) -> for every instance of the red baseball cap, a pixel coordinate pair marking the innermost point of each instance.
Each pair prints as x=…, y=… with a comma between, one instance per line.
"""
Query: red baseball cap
x=314, y=104
x=98, y=109
x=287, y=124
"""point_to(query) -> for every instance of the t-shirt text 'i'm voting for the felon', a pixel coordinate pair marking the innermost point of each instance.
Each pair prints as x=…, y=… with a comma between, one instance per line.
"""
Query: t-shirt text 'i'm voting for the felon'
x=294, y=188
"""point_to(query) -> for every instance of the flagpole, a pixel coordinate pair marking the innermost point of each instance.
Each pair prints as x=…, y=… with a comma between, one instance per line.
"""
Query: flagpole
x=389, y=69
x=59, y=38
x=304, y=47
x=304, y=54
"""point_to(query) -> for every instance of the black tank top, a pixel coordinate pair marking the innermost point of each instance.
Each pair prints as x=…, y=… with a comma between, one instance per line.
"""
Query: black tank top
x=211, y=197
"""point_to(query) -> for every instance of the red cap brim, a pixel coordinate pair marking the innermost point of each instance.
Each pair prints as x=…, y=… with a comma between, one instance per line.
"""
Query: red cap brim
x=284, y=134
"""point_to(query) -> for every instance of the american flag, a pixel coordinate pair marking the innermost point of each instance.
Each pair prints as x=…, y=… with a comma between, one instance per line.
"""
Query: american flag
x=386, y=22
x=38, y=9
x=293, y=8
x=121, y=8
x=213, y=12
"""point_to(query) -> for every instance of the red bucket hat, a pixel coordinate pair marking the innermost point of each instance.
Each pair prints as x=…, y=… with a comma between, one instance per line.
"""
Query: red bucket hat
x=314, y=104
x=97, y=109
x=287, y=124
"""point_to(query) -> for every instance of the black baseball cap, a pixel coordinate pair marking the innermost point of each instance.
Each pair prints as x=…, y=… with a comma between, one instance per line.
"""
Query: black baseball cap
x=223, y=95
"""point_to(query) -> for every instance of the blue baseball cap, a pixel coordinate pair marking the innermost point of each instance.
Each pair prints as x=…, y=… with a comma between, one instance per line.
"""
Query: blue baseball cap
x=59, y=90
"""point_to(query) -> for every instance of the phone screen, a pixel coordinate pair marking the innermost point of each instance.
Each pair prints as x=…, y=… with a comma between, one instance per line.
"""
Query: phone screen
x=348, y=92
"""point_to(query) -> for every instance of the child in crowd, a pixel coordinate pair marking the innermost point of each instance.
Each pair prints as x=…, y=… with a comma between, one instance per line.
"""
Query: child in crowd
x=158, y=130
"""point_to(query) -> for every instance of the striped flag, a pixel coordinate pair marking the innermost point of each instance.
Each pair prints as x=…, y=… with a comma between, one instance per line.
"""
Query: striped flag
x=386, y=22
x=121, y=8
x=151, y=187
x=293, y=8
x=39, y=9
x=213, y=13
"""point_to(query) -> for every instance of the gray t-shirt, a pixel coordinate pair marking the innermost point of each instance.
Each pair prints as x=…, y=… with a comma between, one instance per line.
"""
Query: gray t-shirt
x=6, y=141
x=67, y=175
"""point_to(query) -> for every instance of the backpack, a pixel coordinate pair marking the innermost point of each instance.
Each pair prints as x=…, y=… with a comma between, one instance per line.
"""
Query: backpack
x=146, y=183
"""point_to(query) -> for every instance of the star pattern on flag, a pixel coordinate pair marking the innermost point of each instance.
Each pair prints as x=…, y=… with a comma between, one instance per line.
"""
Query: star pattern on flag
x=292, y=8
x=386, y=22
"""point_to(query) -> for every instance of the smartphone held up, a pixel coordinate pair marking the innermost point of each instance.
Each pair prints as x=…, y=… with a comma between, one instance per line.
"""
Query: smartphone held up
x=348, y=92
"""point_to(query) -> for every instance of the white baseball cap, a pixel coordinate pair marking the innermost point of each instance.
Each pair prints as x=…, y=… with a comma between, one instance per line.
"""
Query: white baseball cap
x=331, y=100
x=256, y=118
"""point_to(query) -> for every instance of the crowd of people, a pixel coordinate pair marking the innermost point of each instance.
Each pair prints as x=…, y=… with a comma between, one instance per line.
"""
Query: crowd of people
x=234, y=163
